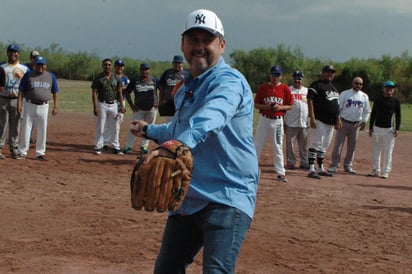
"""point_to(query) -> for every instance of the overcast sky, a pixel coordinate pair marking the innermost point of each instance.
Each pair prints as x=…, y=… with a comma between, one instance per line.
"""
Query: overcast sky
x=331, y=29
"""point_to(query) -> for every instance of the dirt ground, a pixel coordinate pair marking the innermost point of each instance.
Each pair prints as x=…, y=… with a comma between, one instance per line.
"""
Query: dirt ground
x=72, y=214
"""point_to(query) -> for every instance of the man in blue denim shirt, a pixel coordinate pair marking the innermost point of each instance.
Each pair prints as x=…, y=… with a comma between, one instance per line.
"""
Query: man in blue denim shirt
x=214, y=118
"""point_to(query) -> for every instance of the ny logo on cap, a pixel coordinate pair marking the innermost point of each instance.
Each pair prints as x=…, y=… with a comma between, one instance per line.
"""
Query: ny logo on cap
x=200, y=19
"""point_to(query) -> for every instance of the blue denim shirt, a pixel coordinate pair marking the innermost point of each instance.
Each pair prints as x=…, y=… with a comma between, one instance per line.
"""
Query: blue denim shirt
x=214, y=117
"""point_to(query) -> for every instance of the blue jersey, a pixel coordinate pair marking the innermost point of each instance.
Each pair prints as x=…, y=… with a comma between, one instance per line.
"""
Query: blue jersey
x=214, y=117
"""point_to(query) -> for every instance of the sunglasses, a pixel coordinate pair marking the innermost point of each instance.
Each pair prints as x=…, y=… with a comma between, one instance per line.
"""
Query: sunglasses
x=359, y=84
x=107, y=65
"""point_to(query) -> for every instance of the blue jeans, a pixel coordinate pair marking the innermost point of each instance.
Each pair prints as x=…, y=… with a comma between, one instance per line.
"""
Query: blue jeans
x=220, y=229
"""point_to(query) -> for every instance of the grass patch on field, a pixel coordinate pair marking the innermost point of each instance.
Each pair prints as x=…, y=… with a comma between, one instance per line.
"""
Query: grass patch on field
x=76, y=96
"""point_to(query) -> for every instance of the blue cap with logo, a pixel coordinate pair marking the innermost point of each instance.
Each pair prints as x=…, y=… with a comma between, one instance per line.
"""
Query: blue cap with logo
x=13, y=47
x=389, y=84
x=40, y=60
x=298, y=74
x=276, y=70
x=119, y=63
x=144, y=66
x=177, y=59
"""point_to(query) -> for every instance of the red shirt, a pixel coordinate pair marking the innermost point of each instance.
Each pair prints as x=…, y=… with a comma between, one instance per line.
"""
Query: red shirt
x=268, y=94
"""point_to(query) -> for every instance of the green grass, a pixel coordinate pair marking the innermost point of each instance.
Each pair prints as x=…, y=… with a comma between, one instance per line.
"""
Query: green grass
x=76, y=96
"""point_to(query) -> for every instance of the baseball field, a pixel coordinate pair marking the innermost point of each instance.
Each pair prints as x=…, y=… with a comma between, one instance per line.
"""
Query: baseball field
x=72, y=213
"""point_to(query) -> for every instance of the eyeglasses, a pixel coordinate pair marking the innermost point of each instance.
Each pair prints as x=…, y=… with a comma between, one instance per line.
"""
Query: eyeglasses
x=107, y=65
x=297, y=79
x=358, y=84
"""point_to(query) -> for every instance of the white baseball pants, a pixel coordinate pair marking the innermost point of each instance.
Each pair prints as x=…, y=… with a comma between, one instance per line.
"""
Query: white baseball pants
x=108, y=113
x=383, y=142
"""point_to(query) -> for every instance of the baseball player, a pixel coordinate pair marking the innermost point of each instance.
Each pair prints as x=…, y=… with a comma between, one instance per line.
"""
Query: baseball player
x=384, y=128
x=273, y=99
x=167, y=82
x=33, y=102
x=296, y=123
x=9, y=117
x=106, y=91
x=354, y=111
x=118, y=70
x=144, y=106
x=323, y=105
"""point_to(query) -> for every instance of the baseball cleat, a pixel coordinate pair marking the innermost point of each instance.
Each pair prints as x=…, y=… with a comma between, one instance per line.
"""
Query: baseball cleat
x=374, y=173
x=325, y=173
x=350, y=171
x=385, y=175
x=98, y=151
x=282, y=179
x=313, y=175
x=332, y=169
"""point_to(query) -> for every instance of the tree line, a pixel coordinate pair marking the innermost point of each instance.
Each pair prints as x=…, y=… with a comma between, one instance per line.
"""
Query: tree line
x=254, y=64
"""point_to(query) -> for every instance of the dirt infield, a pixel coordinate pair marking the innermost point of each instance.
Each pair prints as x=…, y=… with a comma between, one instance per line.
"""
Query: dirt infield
x=72, y=214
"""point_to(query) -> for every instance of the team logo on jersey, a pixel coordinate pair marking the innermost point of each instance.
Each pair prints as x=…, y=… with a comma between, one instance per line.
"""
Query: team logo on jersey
x=18, y=73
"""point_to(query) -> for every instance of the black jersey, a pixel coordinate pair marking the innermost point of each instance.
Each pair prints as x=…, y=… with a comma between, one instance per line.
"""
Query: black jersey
x=325, y=99
x=383, y=111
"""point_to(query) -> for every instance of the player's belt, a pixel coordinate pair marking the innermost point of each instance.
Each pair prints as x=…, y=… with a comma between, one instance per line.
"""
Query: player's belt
x=349, y=122
x=9, y=97
x=272, y=117
x=35, y=102
x=107, y=102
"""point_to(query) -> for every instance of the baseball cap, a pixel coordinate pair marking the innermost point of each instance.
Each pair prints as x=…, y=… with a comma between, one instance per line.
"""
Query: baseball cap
x=119, y=63
x=298, y=74
x=389, y=84
x=34, y=53
x=276, y=70
x=329, y=68
x=204, y=19
x=144, y=66
x=177, y=59
x=40, y=60
x=13, y=47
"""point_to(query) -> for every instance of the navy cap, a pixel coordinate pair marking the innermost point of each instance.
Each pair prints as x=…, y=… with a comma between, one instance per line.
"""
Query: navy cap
x=40, y=60
x=144, y=66
x=276, y=70
x=329, y=68
x=119, y=63
x=13, y=47
x=298, y=74
x=178, y=59
x=389, y=84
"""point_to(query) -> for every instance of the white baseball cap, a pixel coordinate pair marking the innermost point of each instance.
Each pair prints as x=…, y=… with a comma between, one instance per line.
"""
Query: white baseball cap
x=204, y=19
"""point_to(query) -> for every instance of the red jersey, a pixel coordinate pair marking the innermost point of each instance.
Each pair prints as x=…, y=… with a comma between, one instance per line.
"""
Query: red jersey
x=268, y=94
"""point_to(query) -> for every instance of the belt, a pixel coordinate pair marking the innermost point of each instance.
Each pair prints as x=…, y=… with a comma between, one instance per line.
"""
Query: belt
x=272, y=117
x=349, y=122
x=34, y=102
x=8, y=97
x=107, y=102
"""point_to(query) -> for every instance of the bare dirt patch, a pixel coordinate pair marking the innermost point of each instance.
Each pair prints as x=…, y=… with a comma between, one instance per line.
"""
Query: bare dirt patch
x=72, y=214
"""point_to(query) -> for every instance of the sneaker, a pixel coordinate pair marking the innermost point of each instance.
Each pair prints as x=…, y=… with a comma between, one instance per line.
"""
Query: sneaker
x=105, y=148
x=117, y=152
x=19, y=156
x=97, y=151
x=385, y=175
x=282, y=179
x=41, y=158
x=333, y=169
x=350, y=171
x=2, y=157
x=143, y=150
x=325, y=173
x=290, y=166
x=374, y=173
x=313, y=175
x=127, y=150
